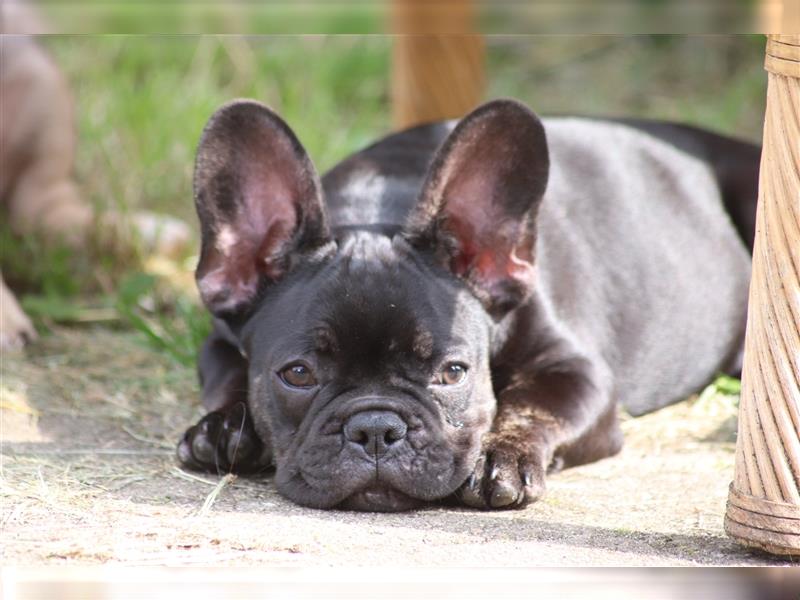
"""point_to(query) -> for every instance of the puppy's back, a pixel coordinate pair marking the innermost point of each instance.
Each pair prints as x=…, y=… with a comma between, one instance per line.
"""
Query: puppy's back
x=640, y=261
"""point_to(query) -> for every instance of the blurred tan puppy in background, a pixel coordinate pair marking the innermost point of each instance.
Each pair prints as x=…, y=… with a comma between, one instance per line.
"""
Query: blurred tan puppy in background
x=37, y=151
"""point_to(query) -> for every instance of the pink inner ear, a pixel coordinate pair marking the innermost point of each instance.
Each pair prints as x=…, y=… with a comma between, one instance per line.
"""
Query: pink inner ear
x=241, y=257
x=270, y=218
x=492, y=244
x=489, y=250
x=250, y=246
x=279, y=232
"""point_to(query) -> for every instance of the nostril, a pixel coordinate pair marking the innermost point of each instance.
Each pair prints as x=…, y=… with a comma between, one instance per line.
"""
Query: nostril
x=395, y=433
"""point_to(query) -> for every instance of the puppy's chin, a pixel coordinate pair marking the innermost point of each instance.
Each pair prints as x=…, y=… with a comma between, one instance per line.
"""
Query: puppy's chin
x=380, y=499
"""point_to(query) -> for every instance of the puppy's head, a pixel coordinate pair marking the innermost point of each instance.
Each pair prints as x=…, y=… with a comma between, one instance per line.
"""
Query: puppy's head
x=369, y=355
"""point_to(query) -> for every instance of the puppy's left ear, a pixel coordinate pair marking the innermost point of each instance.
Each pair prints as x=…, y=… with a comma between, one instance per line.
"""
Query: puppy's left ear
x=478, y=206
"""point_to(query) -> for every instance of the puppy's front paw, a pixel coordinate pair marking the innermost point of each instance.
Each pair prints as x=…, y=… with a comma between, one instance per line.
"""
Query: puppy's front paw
x=16, y=329
x=224, y=441
x=505, y=477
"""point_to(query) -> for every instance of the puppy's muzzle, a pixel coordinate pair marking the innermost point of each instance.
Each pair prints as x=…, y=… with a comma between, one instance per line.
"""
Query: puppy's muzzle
x=375, y=431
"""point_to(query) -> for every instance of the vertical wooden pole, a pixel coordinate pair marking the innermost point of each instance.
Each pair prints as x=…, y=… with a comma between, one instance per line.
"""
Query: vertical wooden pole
x=790, y=16
x=764, y=500
x=437, y=61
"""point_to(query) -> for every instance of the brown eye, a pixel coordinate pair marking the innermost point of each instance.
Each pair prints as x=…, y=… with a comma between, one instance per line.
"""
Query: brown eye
x=453, y=373
x=299, y=376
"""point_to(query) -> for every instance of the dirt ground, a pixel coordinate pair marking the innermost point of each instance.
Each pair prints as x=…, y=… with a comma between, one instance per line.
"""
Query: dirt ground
x=89, y=422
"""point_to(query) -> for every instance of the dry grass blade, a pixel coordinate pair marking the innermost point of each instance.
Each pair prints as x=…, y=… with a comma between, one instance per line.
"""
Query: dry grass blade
x=146, y=439
x=189, y=477
x=212, y=497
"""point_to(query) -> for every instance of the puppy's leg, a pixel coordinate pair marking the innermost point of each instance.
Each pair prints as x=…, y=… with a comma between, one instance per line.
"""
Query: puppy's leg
x=556, y=416
x=224, y=439
x=600, y=441
x=39, y=147
x=15, y=327
x=45, y=201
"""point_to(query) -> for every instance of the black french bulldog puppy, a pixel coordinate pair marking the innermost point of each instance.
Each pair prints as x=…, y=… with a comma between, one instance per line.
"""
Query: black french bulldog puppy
x=460, y=307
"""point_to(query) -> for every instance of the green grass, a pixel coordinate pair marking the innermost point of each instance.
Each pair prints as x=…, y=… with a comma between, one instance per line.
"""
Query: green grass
x=716, y=82
x=170, y=322
x=188, y=16
x=142, y=101
x=723, y=388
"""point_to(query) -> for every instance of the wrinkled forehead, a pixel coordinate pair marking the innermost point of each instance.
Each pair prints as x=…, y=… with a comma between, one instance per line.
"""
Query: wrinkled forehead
x=384, y=296
x=376, y=297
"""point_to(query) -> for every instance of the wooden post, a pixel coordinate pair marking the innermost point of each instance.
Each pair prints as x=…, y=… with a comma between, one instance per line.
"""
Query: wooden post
x=764, y=500
x=437, y=61
x=790, y=16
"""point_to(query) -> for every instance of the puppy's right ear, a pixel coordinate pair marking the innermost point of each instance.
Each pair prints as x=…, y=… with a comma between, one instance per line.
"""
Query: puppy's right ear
x=259, y=201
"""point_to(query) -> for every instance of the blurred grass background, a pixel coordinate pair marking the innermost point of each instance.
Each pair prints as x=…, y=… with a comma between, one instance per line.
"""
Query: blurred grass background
x=141, y=103
x=143, y=100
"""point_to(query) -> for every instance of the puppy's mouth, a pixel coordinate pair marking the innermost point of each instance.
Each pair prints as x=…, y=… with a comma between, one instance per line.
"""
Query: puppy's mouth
x=379, y=498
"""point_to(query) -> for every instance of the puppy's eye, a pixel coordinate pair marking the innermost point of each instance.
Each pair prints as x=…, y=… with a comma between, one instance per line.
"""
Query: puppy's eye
x=298, y=375
x=452, y=374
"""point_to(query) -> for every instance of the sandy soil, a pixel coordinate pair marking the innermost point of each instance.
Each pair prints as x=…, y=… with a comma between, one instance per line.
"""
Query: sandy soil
x=89, y=421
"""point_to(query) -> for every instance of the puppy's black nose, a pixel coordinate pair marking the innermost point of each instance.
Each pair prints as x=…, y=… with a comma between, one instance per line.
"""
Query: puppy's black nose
x=375, y=430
